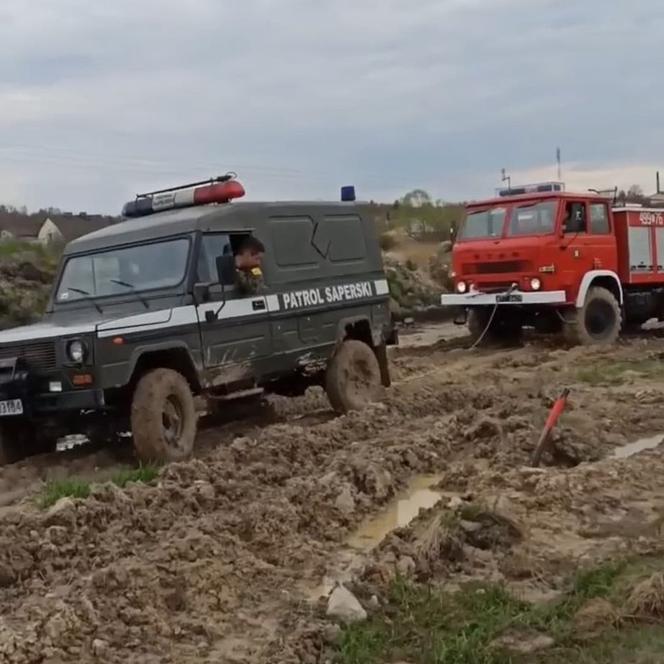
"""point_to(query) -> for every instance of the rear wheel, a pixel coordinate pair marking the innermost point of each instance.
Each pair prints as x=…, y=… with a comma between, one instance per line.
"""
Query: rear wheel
x=353, y=377
x=598, y=321
x=163, y=417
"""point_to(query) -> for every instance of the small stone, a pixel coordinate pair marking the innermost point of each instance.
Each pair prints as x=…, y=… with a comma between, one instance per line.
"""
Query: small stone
x=374, y=603
x=204, y=492
x=523, y=643
x=240, y=444
x=99, y=647
x=470, y=526
x=331, y=633
x=345, y=502
x=344, y=606
x=454, y=503
x=405, y=566
x=62, y=513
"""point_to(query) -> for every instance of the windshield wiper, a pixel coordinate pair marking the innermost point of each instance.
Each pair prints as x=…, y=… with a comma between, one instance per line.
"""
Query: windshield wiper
x=132, y=288
x=87, y=296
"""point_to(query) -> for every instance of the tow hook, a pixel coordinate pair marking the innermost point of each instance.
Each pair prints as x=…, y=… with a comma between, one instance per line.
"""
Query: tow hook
x=461, y=318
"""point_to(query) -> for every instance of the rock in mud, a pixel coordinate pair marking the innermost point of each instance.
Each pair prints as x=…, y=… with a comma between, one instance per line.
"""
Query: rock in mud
x=523, y=643
x=344, y=606
x=345, y=502
x=63, y=513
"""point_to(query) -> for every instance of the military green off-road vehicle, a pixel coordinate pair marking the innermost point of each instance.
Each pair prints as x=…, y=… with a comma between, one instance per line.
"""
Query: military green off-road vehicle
x=145, y=314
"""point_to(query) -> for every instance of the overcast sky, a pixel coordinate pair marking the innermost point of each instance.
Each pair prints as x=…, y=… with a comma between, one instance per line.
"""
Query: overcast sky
x=99, y=100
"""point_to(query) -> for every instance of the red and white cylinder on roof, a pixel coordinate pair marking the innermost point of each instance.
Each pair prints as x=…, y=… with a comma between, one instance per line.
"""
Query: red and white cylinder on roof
x=218, y=190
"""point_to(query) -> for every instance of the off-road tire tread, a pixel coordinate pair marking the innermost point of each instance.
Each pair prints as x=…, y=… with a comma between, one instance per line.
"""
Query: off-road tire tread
x=146, y=426
x=575, y=331
x=335, y=383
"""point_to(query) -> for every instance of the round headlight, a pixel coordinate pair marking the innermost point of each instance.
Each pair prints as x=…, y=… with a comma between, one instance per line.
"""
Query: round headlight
x=76, y=351
x=462, y=287
x=535, y=284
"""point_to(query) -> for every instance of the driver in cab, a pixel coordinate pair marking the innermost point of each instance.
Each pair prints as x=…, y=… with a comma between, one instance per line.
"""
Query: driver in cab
x=248, y=266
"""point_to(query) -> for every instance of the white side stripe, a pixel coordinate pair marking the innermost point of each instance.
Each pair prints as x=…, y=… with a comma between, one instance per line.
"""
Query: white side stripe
x=382, y=287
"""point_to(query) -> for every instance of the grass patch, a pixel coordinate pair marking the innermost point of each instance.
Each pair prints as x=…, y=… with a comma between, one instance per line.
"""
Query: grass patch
x=78, y=488
x=57, y=489
x=143, y=474
x=613, y=373
x=424, y=626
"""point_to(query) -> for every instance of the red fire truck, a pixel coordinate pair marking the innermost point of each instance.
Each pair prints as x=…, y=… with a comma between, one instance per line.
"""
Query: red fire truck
x=540, y=256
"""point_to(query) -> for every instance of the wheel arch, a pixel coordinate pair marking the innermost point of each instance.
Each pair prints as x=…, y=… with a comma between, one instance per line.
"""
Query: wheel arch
x=604, y=278
x=164, y=356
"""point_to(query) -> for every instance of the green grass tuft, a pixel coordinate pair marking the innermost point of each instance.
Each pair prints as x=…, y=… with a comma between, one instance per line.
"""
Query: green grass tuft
x=78, y=488
x=71, y=488
x=421, y=625
x=143, y=474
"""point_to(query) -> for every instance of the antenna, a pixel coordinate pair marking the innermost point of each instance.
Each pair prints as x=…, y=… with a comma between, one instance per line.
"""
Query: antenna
x=506, y=178
x=659, y=191
x=558, y=164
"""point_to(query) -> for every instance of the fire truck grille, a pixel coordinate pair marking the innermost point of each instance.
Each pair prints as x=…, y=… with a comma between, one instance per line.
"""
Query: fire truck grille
x=501, y=267
x=38, y=356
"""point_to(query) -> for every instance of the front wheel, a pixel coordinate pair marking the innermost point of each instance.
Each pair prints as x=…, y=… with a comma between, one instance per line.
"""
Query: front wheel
x=598, y=321
x=163, y=417
x=353, y=377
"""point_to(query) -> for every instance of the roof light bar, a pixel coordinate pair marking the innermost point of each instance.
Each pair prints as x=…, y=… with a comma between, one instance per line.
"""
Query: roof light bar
x=532, y=189
x=216, y=190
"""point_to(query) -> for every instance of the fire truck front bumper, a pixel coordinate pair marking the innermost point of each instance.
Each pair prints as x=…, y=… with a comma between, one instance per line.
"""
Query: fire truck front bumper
x=515, y=297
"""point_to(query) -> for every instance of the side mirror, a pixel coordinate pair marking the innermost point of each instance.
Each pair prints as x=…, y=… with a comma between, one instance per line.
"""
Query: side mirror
x=226, y=269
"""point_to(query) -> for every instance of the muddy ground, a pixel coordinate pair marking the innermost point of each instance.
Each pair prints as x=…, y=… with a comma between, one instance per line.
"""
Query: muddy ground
x=227, y=558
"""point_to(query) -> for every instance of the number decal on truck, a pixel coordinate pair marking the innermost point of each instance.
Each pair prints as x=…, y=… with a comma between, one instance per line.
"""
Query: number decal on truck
x=651, y=219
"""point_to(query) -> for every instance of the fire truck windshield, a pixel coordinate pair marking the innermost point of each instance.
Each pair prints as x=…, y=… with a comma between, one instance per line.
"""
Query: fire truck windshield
x=483, y=224
x=532, y=219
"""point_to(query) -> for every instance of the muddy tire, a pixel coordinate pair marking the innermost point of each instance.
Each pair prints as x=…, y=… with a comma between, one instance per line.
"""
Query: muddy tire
x=163, y=417
x=353, y=378
x=598, y=322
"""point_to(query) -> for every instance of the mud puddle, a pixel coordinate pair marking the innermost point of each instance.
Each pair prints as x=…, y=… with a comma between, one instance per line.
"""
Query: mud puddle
x=401, y=510
x=629, y=450
x=398, y=513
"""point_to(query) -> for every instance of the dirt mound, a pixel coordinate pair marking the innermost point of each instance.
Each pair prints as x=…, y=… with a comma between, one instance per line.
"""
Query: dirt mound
x=217, y=559
x=26, y=274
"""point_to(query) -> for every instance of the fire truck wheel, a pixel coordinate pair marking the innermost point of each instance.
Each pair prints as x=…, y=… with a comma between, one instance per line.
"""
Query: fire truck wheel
x=352, y=379
x=598, y=321
x=163, y=417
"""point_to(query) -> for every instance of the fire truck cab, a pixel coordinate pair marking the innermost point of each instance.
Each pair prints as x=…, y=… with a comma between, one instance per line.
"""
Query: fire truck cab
x=540, y=256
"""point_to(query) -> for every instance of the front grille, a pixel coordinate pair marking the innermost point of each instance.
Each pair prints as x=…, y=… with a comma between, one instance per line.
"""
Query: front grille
x=38, y=356
x=497, y=267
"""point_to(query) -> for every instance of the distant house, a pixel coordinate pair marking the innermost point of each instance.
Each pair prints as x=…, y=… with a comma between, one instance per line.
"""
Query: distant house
x=59, y=229
x=19, y=227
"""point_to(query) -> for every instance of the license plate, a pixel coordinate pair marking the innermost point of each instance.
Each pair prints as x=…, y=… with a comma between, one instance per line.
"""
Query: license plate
x=509, y=297
x=11, y=407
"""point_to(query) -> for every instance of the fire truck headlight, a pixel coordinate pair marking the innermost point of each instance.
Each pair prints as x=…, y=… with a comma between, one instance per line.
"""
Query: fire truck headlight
x=535, y=284
x=462, y=287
